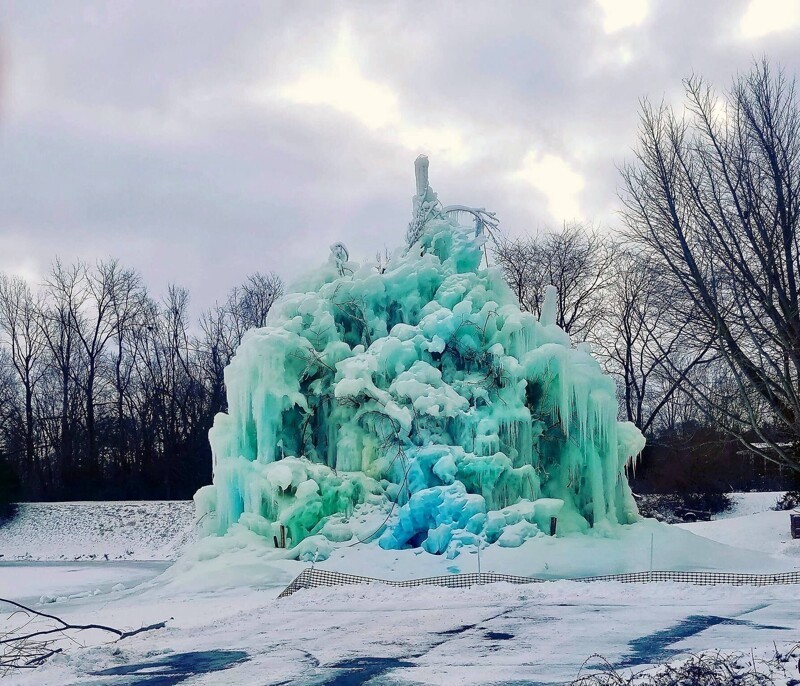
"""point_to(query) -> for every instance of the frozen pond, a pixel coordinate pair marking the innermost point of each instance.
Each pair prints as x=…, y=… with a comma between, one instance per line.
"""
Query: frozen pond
x=492, y=634
x=26, y=582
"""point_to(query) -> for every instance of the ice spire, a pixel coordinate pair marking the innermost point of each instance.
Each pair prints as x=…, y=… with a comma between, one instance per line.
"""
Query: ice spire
x=426, y=203
x=549, y=313
x=421, y=174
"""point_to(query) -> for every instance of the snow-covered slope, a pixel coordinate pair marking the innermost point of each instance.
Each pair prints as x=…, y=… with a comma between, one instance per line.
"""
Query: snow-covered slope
x=752, y=525
x=142, y=530
x=765, y=532
x=751, y=503
x=161, y=530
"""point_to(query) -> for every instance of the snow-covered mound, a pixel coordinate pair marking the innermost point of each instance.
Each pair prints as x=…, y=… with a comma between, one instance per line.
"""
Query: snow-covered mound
x=766, y=532
x=752, y=524
x=141, y=530
x=245, y=559
x=751, y=503
x=420, y=384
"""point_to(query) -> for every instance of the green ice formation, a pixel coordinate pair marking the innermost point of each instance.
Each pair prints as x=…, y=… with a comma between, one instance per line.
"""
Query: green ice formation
x=422, y=388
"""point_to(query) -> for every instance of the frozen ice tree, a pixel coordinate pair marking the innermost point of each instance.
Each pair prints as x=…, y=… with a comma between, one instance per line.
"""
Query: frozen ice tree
x=421, y=388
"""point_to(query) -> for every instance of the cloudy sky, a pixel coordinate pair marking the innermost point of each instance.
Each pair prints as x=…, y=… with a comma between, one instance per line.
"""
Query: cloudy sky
x=201, y=141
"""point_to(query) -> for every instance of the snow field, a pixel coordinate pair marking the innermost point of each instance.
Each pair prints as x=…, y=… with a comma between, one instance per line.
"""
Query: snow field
x=136, y=530
x=494, y=634
x=225, y=624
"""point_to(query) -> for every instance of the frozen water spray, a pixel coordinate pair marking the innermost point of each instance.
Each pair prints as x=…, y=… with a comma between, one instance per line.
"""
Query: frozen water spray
x=422, y=389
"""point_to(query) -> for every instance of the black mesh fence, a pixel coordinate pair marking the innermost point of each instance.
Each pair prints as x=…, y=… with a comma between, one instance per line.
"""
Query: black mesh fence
x=315, y=578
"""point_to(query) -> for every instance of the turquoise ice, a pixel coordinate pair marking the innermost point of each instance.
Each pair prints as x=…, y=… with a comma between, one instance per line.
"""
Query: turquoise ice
x=420, y=387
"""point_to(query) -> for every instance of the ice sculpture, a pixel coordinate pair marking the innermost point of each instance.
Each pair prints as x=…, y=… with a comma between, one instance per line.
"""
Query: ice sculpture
x=421, y=387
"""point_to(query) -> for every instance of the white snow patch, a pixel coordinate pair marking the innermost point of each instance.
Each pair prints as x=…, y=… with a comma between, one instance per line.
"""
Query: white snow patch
x=124, y=530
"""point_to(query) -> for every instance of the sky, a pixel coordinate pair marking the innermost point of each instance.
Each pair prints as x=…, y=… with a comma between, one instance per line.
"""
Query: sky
x=199, y=142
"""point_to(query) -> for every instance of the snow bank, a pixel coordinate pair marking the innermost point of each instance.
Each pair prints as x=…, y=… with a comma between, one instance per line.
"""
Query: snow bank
x=765, y=532
x=751, y=503
x=752, y=524
x=243, y=559
x=141, y=530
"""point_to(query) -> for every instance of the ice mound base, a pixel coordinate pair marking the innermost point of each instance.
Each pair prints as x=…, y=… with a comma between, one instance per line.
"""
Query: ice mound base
x=420, y=389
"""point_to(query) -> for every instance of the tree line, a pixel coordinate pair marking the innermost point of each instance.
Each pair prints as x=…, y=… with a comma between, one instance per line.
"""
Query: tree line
x=108, y=392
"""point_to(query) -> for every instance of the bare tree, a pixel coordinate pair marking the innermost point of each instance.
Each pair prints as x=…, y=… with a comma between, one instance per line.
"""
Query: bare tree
x=515, y=257
x=58, y=326
x=574, y=259
x=714, y=198
x=176, y=401
x=31, y=637
x=95, y=321
x=105, y=392
x=10, y=417
x=648, y=338
x=20, y=323
x=129, y=308
x=256, y=297
x=577, y=262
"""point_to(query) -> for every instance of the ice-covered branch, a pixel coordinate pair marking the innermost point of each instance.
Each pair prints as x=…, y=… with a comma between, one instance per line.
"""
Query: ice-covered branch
x=484, y=220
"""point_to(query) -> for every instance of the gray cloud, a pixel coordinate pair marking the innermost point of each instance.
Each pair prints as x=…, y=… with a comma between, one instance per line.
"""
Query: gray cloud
x=157, y=132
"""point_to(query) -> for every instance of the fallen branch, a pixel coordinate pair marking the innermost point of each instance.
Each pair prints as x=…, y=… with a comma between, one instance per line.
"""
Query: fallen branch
x=21, y=649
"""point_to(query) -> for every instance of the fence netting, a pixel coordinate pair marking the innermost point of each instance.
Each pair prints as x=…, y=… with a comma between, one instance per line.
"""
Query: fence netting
x=316, y=578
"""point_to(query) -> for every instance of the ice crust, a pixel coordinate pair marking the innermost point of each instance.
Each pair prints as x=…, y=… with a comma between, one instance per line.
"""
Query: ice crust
x=423, y=389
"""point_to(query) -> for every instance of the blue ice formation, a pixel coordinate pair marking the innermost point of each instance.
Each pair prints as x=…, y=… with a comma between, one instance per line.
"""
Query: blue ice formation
x=423, y=388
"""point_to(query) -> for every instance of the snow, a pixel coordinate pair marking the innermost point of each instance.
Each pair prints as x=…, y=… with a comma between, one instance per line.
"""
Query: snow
x=421, y=385
x=140, y=530
x=484, y=635
x=59, y=582
x=751, y=503
x=219, y=598
x=765, y=532
x=752, y=524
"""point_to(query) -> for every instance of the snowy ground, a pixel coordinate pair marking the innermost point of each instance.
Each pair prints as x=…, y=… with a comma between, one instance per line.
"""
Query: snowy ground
x=750, y=503
x=764, y=532
x=226, y=626
x=98, y=531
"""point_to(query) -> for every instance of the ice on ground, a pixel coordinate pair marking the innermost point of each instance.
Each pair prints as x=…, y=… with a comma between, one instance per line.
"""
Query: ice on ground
x=493, y=634
x=420, y=385
x=34, y=582
x=225, y=624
